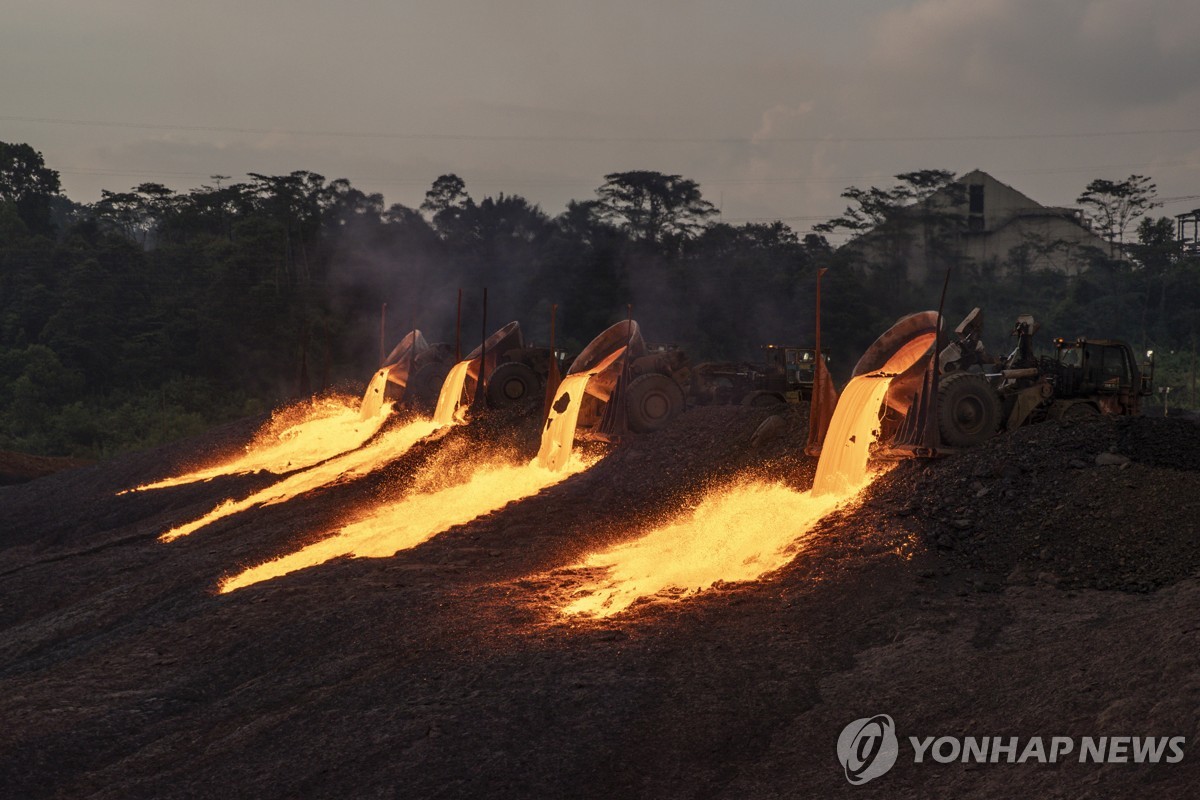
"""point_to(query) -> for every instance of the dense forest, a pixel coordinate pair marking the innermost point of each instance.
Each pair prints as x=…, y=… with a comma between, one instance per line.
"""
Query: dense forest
x=152, y=314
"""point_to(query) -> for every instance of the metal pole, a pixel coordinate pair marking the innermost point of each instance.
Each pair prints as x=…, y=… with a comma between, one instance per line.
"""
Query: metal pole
x=817, y=365
x=480, y=387
x=458, y=330
x=932, y=434
x=553, y=378
x=382, y=334
x=412, y=355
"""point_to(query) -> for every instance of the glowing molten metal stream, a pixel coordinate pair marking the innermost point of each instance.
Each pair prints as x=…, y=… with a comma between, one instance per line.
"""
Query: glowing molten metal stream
x=373, y=400
x=434, y=506
x=296, y=437
x=751, y=528
x=355, y=464
x=450, y=397
x=349, y=465
x=558, y=437
x=415, y=519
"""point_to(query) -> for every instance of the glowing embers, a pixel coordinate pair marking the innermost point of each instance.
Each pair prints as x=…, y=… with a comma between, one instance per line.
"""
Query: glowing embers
x=736, y=534
x=296, y=437
x=429, y=509
x=388, y=446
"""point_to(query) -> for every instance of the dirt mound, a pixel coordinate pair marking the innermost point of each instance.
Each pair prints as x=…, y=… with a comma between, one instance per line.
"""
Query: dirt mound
x=1107, y=503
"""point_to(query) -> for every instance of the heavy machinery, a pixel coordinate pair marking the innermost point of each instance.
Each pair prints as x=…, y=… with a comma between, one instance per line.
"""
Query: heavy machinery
x=786, y=375
x=655, y=394
x=515, y=372
x=409, y=375
x=632, y=386
x=978, y=394
x=520, y=374
x=1097, y=376
x=413, y=373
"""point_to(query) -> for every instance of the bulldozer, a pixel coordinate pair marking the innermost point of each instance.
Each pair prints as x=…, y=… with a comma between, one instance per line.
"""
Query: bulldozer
x=972, y=394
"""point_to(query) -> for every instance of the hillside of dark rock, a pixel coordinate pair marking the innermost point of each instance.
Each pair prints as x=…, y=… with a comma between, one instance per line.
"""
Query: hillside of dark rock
x=1043, y=585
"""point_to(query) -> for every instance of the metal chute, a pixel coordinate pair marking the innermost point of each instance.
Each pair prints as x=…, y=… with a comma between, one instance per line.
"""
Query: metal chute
x=907, y=351
x=390, y=382
x=606, y=360
x=493, y=351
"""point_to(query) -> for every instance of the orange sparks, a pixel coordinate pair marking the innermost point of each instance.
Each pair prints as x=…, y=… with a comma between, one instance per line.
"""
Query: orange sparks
x=745, y=531
x=415, y=519
x=737, y=534
x=296, y=437
x=347, y=466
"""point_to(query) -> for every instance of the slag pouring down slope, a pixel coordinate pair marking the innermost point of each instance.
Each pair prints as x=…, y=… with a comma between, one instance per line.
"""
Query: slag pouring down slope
x=749, y=528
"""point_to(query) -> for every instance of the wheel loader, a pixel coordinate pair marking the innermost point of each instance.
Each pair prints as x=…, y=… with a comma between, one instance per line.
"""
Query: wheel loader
x=411, y=375
x=631, y=385
x=515, y=372
x=1084, y=377
x=978, y=394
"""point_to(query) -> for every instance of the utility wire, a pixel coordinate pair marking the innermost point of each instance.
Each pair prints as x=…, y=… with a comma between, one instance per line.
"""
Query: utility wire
x=780, y=181
x=742, y=140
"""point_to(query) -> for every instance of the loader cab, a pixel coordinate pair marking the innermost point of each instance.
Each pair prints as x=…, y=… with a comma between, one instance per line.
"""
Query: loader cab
x=1104, y=370
x=790, y=369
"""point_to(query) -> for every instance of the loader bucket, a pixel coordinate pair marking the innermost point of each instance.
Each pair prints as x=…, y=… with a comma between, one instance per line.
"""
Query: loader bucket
x=459, y=388
x=492, y=351
x=887, y=352
x=588, y=403
x=906, y=351
x=602, y=414
x=391, y=380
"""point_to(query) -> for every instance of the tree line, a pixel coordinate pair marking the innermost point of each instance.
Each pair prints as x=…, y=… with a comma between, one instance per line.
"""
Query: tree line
x=152, y=314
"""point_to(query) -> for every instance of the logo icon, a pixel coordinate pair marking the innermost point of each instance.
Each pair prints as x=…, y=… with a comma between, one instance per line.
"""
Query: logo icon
x=867, y=748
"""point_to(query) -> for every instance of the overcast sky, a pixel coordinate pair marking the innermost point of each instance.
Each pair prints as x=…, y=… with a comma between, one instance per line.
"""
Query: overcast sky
x=773, y=106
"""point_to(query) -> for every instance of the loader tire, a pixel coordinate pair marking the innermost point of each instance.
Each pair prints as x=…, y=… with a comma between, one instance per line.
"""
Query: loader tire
x=762, y=399
x=1080, y=411
x=652, y=401
x=425, y=386
x=968, y=409
x=512, y=384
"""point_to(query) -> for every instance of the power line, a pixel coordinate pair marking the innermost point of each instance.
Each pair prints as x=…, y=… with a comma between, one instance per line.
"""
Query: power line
x=539, y=182
x=742, y=140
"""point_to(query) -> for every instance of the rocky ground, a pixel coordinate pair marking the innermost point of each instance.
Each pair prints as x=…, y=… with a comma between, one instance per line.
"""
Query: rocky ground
x=22, y=467
x=1045, y=584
